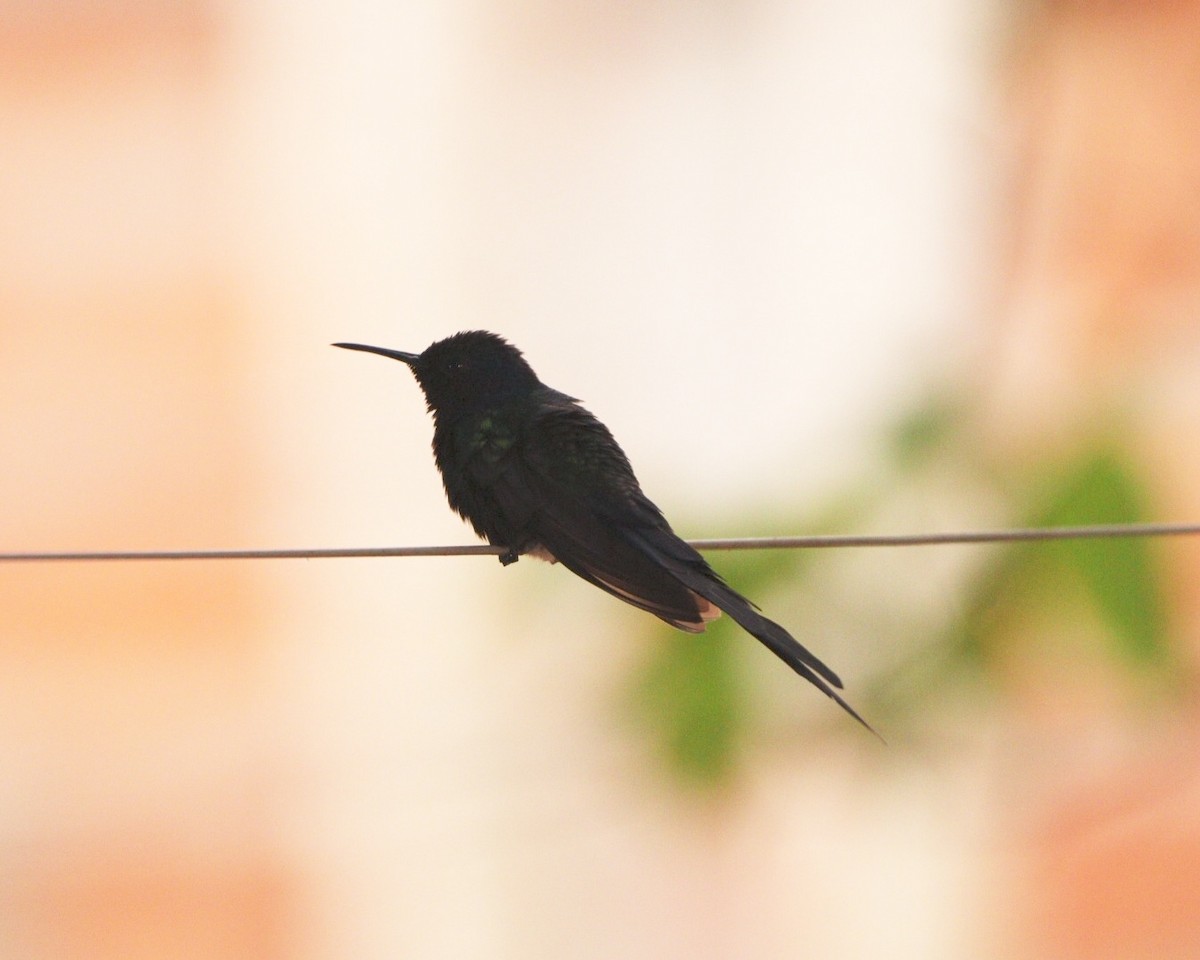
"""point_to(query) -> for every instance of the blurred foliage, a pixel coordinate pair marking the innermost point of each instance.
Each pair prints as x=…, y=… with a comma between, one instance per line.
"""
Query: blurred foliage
x=1119, y=578
x=692, y=696
x=922, y=434
x=692, y=693
x=696, y=700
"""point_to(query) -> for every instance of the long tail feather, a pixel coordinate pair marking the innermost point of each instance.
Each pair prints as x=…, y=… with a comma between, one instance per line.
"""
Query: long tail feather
x=774, y=637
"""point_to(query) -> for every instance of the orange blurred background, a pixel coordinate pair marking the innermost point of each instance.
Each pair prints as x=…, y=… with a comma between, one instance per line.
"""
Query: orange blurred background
x=747, y=234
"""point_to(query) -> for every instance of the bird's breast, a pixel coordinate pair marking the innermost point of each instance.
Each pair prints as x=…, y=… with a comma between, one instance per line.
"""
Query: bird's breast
x=491, y=439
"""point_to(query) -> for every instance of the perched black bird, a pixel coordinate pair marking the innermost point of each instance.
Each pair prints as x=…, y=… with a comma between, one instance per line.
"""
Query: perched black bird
x=533, y=472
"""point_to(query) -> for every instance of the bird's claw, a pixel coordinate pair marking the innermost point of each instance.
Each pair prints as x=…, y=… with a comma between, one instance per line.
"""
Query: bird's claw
x=509, y=556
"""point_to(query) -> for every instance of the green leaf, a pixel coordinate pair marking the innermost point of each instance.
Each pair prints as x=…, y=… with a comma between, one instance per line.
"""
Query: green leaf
x=1118, y=580
x=691, y=699
x=1120, y=575
x=691, y=695
x=926, y=430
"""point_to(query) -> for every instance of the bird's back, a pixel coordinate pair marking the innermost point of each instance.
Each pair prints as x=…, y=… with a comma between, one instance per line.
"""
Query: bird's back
x=542, y=475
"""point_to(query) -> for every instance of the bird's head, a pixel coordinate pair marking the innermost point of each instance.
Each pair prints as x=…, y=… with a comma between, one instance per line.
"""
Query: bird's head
x=466, y=371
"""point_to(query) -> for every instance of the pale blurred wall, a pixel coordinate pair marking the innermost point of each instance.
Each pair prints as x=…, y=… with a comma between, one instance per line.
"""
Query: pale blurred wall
x=760, y=220
x=763, y=217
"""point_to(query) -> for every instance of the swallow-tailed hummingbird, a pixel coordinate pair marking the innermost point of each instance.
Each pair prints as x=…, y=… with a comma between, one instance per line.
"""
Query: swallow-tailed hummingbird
x=535, y=473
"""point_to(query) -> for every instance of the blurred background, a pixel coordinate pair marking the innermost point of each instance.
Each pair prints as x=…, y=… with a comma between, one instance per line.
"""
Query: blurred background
x=844, y=267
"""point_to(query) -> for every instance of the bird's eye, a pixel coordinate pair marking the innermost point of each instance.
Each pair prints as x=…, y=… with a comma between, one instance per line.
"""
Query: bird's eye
x=454, y=366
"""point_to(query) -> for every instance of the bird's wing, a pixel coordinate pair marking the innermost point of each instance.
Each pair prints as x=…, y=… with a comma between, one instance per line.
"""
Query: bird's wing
x=569, y=488
x=585, y=508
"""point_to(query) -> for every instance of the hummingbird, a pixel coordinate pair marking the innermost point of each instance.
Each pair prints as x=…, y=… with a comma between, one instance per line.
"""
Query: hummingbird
x=536, y=474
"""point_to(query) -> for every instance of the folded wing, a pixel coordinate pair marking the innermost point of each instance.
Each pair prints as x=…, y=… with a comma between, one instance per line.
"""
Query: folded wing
x=584, y=507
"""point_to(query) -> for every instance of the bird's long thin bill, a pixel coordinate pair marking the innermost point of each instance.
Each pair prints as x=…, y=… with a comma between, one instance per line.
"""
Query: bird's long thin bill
x=409, y=358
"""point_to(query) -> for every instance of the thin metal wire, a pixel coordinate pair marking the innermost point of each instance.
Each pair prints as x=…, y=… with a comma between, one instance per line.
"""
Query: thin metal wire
x=1095, y=532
